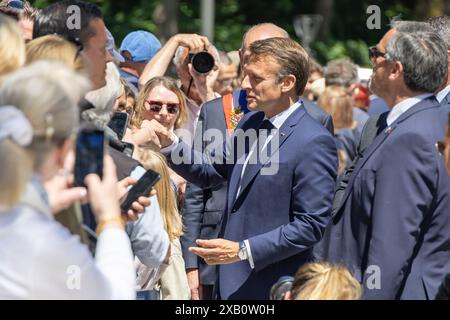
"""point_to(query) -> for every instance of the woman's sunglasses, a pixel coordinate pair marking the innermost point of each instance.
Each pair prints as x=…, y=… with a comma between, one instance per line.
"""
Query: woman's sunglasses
x=156, y=106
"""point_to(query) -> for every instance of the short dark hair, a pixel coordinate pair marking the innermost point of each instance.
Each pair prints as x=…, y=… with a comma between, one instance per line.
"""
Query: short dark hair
x=53, y=20
x=290, y=55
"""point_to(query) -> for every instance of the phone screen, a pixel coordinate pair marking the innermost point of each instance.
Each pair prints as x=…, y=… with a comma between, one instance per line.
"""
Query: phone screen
x=119, y=123
x=90, y=146
x=141, y=188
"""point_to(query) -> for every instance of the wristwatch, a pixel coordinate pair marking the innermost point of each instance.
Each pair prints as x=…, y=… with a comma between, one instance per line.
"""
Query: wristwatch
x=242, y=253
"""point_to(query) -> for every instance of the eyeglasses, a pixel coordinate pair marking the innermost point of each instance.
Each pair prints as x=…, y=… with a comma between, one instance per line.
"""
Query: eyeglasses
x=156, y=106
x=375, y=53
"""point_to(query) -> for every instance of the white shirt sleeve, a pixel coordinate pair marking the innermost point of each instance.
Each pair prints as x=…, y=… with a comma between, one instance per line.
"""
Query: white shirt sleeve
x=249, y=252
x=63, y=268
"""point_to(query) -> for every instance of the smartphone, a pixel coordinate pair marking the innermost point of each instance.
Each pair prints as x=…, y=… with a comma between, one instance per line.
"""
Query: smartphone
x=119, y=123
x=89, y=151
x=142, y=188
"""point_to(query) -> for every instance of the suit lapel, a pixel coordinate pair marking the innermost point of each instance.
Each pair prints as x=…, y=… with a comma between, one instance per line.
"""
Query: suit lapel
x=380, y=138
x=254, y=166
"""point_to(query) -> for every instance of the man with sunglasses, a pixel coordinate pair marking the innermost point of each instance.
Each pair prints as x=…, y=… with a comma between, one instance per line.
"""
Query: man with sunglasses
x=392, y=227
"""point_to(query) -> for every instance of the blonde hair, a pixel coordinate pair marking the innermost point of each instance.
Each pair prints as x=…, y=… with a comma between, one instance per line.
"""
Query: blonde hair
x=12, y=46
x=54, y=47
x=166, y=195
x=42, y=92
x=167, y=83
x=339, y=104
x=323, y=281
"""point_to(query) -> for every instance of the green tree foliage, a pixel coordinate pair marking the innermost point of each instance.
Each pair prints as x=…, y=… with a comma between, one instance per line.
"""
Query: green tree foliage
x=347, y=34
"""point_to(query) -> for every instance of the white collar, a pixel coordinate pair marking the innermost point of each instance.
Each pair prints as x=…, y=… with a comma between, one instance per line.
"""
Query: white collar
x=404, y=106
x=443, y=93
x=278, y=119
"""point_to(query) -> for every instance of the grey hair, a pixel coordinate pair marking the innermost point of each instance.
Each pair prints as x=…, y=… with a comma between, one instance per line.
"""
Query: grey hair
x=341, y=72
x=103, y=99
x=42, y=92
x=441, y=25
x=411, y=26
x=180, y=50
x=423, y=56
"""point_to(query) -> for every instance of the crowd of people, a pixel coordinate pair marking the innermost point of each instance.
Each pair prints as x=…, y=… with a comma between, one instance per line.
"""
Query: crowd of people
x=279, y=178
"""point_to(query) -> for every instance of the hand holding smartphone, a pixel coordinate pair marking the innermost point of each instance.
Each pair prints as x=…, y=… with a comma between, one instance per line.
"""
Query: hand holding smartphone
x=119, y=123
x=142, y=188
x=89, y=152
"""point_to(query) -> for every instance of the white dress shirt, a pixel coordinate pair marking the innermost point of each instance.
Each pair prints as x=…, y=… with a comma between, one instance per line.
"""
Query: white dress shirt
x=443, y=93
x=40, y=259
x=404, y=106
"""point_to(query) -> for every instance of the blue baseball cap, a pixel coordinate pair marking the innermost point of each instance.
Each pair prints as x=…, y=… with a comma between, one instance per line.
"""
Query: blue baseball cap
x=15, y=4
x=142, y=45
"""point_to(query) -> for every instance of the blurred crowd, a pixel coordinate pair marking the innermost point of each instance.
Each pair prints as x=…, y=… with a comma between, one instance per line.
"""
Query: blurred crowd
x=387, y=205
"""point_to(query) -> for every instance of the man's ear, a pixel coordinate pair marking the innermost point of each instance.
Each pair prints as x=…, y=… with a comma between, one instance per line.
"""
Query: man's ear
x=396, y=70
x=288, y=83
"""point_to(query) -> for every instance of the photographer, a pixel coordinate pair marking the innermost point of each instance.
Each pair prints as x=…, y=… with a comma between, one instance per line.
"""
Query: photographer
x=198, y=87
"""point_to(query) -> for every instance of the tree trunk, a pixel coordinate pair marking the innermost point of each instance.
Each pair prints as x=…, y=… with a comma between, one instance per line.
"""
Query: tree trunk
x=325, y=9
x=165, y=17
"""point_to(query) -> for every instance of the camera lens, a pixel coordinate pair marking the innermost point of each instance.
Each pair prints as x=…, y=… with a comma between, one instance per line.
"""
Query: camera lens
x=202, y=62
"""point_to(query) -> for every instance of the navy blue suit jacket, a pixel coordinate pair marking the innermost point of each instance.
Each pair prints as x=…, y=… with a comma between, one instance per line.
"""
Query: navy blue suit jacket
x=203, y=208
x=394, y=222
x=282, y=215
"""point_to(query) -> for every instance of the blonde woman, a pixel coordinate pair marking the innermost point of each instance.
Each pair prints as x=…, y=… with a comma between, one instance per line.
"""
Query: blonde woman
x=54, y=47
x=323, y=281
x=173, y=282
x=12, y=46
x=160, y=100
x=38, y=119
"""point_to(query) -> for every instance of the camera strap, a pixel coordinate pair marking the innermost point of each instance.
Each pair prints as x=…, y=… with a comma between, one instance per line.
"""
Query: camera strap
x=189, y=87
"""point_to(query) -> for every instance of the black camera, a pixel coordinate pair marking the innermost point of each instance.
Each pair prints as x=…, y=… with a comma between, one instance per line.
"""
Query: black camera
x=202, y=62
x=281, y=287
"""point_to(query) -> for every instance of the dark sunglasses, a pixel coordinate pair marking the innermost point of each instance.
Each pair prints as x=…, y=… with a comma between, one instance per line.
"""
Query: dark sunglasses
x=375, y=53
x=156, y=106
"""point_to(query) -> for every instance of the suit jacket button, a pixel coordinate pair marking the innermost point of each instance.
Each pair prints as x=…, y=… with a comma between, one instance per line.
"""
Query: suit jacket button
x=233, y=211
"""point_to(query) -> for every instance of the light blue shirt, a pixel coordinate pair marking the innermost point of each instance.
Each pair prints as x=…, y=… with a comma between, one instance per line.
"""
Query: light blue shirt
x=443, y=93
x=149, y=240
x=404, y=106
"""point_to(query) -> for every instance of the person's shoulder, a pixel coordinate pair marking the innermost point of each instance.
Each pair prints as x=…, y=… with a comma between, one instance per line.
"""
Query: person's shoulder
x=313, y=108
x=213, y=103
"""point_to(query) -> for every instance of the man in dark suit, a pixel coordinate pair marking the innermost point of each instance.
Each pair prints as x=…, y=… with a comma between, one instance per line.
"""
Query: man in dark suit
x=441, y=25
x=392, y=228
x=277, y=205
x=203, y=208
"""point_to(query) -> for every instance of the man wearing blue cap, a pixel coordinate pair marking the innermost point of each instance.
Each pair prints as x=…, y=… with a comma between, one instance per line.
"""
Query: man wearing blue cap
x=137, y=49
